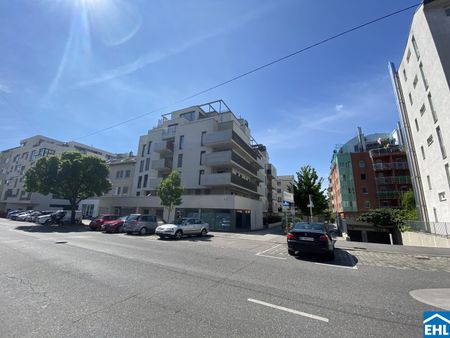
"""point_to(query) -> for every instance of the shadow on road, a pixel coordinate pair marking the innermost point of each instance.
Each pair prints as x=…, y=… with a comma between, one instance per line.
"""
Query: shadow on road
x=53, y=228
x=207, y=238
x=341, y=258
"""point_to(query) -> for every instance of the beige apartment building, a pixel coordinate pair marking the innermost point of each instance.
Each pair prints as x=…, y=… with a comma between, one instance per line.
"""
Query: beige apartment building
x=421, y=85
x=222, y=169
x=16, y=161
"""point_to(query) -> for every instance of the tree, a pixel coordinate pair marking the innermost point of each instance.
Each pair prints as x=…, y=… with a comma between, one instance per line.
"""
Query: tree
x=309, y=183
x=72, y=176
x=409, y=206
x=170, y=190
x=385, y=218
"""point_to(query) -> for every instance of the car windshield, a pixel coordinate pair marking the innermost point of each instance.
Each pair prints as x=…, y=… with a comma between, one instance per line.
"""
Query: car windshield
x=133, y=217
x=123, y=218
x=182, y=221
x=308, y=226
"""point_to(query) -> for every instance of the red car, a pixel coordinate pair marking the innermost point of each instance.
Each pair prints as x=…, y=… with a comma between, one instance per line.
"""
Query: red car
x=114, y=225
x=97, y=224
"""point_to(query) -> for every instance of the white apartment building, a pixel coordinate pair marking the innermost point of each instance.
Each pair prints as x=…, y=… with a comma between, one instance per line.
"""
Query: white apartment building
x=16, y=161
x=285, y=183
x=421, y=85
x=222, y=168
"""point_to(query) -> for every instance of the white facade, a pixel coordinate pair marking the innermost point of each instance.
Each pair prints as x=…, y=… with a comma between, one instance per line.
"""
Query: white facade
x=222, y=168
x=422, y=88
x=15, y=162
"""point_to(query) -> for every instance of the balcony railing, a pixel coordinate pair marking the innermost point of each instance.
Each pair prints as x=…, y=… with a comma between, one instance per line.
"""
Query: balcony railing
x=224, y=179
x=224, y=137
x=391, y=165
x=386, y=151
x=388, y=194
x=154, y=182
x=393, y=180
x=164, y=147
x=164, y=164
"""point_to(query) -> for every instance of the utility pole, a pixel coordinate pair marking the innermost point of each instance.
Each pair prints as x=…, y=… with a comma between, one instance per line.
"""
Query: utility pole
x=310, y=206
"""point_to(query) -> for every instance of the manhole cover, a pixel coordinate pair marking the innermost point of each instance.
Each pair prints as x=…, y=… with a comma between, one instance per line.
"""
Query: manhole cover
x=61, y=242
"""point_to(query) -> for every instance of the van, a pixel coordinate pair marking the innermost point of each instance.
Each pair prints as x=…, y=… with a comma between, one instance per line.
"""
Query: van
x=142, y=224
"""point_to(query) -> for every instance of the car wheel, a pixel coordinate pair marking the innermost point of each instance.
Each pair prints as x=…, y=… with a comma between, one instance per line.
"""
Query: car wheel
x=178, y=234
x=119, y=229
x=291, y=252
x=203, y=232
x=161, y=236
x=143, y=231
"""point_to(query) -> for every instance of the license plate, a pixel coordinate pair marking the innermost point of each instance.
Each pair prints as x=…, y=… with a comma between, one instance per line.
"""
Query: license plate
x=310, y=239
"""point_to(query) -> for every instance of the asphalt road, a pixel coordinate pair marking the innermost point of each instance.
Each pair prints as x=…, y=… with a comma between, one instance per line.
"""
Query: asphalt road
x=63, y=282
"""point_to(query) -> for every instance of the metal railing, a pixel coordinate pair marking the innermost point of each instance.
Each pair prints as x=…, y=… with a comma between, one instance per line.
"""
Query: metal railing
x=394, y=180
x=436, y=228
x=391, y=165
x=386, y=151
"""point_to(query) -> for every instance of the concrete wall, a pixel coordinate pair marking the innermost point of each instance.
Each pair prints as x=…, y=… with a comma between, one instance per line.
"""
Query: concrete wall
x=423, y=239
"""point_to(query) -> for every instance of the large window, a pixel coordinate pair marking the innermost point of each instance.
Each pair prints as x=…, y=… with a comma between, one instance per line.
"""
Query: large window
x=202, y=157
x=200, y=174
x=416, y=47
x=147, y=164
x=429, y=182
x=189, y=116
x=433, y=111
x=203, y=137
x=143, y=149
x=447, y=173
x=422, y=150
x=149, y=147
x=441, y=143
x=139, y=182
x=141, y=166
x=181, y=145
x=422, y=73
x=144, y=185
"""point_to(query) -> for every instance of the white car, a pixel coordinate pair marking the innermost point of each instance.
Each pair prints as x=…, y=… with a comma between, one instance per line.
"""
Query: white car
x=60, y=216
x=181, y=227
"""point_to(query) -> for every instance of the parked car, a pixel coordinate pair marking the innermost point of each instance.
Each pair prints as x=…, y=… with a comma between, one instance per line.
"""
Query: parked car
x=29, y=217
x=97, y=223
x=310, y=238
x=41, y=213
x=183, y=226
x=23, y=216
x=15, y=216
x=142, y=224
x=114, y=225
x=60, y=217
x=12, y=212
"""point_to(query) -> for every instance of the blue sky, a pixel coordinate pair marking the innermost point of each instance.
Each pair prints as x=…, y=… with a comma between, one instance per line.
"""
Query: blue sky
x=71, y=67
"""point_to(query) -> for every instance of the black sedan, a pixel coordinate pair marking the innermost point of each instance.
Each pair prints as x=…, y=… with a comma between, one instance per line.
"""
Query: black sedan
x=310, y=238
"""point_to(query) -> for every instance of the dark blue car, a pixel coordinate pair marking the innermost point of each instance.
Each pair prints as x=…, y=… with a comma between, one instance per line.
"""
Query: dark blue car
x=310, y=238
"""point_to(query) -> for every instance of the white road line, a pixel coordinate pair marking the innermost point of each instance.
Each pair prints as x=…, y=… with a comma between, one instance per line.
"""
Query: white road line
x=260, y=255
x=276, y=246
x=339, y=266
x=304, y=314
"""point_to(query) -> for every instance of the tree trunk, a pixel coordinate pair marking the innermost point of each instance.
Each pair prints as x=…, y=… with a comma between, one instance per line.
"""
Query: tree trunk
x=73, y=208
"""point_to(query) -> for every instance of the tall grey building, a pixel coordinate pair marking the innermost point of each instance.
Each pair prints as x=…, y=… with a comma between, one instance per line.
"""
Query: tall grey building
x=421, y=85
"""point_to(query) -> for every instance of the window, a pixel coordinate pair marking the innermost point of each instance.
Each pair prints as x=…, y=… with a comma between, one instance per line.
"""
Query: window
x=430, y=140
x=143, y=149
x=200, y=174
x=181, y=145
x=410, y=99
x=441, y=142
x=367, y=204
x=404, y=75
x=416, y=48
x=408, y=56
x=149, y=147
x=180, y=160
x=365, y=191
x=435, y=215
x=424, y=79
x=363, y=177
x=139, y=182
x=447, y=173
x=144, y=185
x=202, y=156
x=415, y=81
x=433, y=111
x=442, y=196
x=141, y=166
x=138, y=193
x=203, y=137
x=147, y=163
x=189, y=116
x=429, y=182
x=362, y=164
x=118, y=174
x=118, y=190
x=127, y=173
x=417, y=124
x=125, y=190
x=422, y=110
x=447, y=11
x=423, y=152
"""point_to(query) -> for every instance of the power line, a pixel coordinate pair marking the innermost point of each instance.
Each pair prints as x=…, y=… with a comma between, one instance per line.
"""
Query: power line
x=254, y=70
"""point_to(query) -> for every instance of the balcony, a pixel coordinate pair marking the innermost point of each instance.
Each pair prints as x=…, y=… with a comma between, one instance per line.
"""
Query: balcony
x=393, y=180
x=169, y=133
x=164, y=164
x=229, y=138
x=390, y=166
x=224, y=179
x=388, y=194
x=163, y=148
x=385, y=151
x=154, y=182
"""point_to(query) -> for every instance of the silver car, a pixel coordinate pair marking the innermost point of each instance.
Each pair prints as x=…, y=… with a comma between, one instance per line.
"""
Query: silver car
x=183, y=226
x=141, y=224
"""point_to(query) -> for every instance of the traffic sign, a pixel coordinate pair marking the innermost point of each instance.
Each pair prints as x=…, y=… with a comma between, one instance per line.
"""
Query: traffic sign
x=285, y=203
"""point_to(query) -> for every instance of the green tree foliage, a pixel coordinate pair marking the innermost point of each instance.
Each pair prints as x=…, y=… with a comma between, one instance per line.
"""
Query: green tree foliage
x=385, y=217
x=409, y=206
x=308, y=182
x=170, y=190
x=72, y=176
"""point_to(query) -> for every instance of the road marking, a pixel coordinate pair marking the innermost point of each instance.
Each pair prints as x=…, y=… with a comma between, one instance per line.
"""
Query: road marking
x=338, y=266
x=304, y=314
x=260, y=255
x=276, y=246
